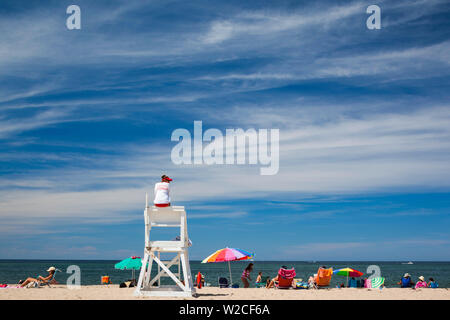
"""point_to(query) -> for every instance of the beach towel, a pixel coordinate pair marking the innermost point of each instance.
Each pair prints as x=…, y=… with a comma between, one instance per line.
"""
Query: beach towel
x=33, y=284
x=301, y=285
x=287, y=273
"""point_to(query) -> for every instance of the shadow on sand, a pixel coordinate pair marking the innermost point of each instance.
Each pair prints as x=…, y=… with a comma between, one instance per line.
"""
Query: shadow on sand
x=199, y=295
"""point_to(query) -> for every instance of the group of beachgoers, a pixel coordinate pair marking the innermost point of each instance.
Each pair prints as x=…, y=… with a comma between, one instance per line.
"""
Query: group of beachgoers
x=320, y=279
x=286, y=278
x=406, y=282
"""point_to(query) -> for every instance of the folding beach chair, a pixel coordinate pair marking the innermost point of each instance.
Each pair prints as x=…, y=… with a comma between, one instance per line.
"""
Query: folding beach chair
x=47, y=283
x=323, y=277
x=223, y=282
x=285, y=278
x=263, y=282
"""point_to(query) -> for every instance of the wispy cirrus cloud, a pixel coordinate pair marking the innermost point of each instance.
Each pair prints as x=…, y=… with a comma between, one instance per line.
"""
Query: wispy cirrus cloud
x=85, y=117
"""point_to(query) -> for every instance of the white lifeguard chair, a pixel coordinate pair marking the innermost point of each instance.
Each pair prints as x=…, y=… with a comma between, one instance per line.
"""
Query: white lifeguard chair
x=165, y=217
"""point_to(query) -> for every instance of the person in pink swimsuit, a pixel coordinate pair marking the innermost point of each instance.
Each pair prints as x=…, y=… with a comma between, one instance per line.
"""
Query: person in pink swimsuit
x=246, y=275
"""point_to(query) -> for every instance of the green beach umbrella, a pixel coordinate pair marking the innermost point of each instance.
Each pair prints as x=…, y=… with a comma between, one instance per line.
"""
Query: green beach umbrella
x=132, y=263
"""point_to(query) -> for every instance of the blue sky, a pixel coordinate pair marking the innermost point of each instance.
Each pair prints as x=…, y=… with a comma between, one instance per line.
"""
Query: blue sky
x=86, y=118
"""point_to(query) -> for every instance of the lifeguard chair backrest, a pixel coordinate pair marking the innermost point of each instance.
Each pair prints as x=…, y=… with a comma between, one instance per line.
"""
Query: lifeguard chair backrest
x=324, y=276
x=167, y=216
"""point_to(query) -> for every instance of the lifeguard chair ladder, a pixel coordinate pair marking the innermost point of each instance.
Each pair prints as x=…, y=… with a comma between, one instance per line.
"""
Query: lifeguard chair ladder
x=166, y=217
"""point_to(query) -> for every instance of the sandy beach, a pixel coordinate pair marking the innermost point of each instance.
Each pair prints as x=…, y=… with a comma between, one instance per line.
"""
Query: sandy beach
x=113, y=292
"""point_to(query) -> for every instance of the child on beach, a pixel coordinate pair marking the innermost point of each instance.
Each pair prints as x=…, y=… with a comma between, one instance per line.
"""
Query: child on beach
x=246, y=275
x=162, y=198
x=432, y=284
x=259, y=277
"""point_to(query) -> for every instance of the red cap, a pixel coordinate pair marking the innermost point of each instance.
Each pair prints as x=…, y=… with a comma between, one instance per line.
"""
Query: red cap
x=166, y=178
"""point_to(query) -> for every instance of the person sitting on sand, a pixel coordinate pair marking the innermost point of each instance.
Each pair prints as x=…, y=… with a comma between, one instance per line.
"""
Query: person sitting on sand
x=259, y=277
x=432, y=284
x=421, y=283
x=246, y=275
x=51, y=272
x=352, y=283
x=406, y=282
x=162, y=198
x=312, y=282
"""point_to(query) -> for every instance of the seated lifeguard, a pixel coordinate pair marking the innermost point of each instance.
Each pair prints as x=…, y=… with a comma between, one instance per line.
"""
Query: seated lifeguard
x=162, y=198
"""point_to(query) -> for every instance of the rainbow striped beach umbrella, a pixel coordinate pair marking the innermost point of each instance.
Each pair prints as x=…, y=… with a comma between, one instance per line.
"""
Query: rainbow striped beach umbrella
x=227, y=255
x=349, y=272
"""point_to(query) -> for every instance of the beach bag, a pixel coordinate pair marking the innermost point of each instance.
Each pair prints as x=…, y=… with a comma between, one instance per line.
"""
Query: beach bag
x=301, y=285
x=33, y=284
x=287, y=273
x=106, y=280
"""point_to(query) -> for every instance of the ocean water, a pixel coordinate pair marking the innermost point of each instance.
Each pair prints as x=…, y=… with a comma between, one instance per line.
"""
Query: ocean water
x=11, y=271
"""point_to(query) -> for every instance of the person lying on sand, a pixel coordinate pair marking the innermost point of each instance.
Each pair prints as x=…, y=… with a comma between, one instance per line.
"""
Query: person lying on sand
x=51, y=272
x=162, y=198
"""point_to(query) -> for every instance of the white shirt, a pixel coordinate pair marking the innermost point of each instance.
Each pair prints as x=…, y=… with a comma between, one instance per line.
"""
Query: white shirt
x=162, y=193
